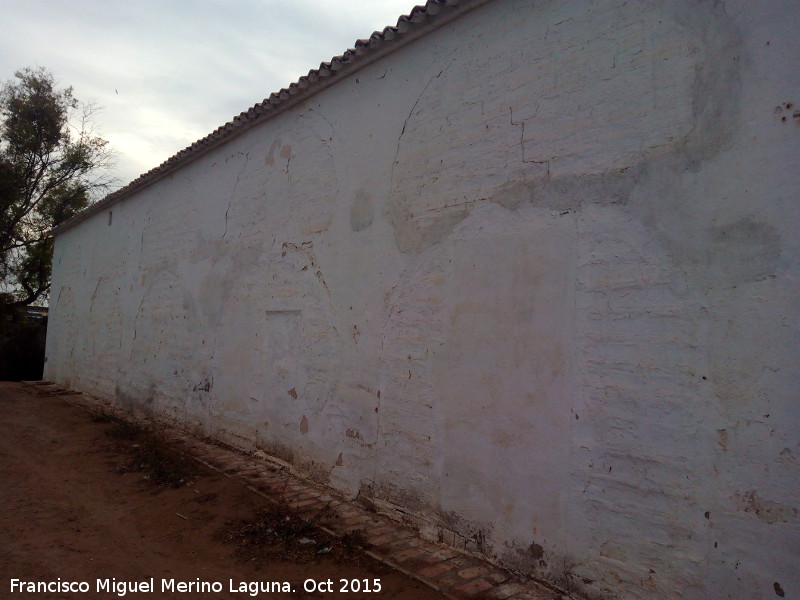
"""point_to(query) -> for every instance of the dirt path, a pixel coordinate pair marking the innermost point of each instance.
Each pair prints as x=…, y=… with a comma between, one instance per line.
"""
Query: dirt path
x=67, y=512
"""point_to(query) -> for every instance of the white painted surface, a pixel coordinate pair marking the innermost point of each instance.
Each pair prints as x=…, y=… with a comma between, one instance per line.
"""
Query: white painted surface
x=533, y=278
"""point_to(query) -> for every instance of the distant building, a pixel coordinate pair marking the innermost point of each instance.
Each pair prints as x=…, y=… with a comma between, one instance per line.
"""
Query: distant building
x=524, y=271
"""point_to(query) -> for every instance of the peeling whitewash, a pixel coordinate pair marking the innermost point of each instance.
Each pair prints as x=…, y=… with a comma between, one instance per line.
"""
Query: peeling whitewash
x=532, y=279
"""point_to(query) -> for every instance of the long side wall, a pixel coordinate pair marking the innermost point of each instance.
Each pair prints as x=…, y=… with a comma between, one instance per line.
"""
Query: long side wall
x=533, y=278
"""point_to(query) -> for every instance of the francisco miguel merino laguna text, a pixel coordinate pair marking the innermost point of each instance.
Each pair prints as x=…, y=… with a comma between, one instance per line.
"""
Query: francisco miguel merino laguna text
x=121, y=588
x=251, y=588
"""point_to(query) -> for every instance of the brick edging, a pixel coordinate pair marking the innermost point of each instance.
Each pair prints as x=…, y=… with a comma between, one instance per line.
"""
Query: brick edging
x=445, y=569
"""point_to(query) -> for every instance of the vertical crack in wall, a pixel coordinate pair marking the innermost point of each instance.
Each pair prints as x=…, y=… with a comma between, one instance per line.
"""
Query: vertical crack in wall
x=324, y=118
x=141, y=241
x=135, y=322
x=235, y=189
x=328, y=145
x=224, y=233
x=405, y=123
x=141, y=303
x=521, y=125
x=94, y=294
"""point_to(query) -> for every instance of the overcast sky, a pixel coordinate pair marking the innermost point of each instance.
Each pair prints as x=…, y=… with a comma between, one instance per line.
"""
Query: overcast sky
x=168, y=72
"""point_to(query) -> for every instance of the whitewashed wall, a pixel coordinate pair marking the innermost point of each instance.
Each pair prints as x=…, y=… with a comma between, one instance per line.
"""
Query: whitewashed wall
x=533, y=277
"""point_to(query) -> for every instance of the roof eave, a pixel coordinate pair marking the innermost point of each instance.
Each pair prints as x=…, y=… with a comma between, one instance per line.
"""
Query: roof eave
x=421, y=21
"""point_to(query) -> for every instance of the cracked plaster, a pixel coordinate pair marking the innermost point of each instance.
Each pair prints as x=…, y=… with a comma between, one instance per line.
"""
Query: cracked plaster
x=511, y=281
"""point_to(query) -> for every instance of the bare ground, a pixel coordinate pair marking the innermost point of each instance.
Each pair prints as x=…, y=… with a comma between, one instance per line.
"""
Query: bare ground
x=74, y=507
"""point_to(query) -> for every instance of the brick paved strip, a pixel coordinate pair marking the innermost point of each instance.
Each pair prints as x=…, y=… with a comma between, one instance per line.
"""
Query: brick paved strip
x=497, y=576
x=437, y=554
x=411, y=554
x=473, y=572
x=501, y=592
x=347, y=512
x=307, y=502
x=357, y=522
x=378, y=529
x=462, y=562
x=386, y=539
x=301, y=495
x=475, y=587
x=404, y=540
x=443, y=568
x=450, y=581
x=436, y=570
x=539, y=593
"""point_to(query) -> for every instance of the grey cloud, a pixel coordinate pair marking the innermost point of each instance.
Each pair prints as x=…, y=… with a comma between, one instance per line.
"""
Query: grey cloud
x=167, y=73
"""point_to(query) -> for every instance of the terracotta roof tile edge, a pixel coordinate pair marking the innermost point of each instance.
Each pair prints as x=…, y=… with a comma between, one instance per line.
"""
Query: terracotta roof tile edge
x=422, y=20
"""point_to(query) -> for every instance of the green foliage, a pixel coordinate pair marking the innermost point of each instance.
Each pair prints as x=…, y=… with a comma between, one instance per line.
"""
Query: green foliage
x=51, y=166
